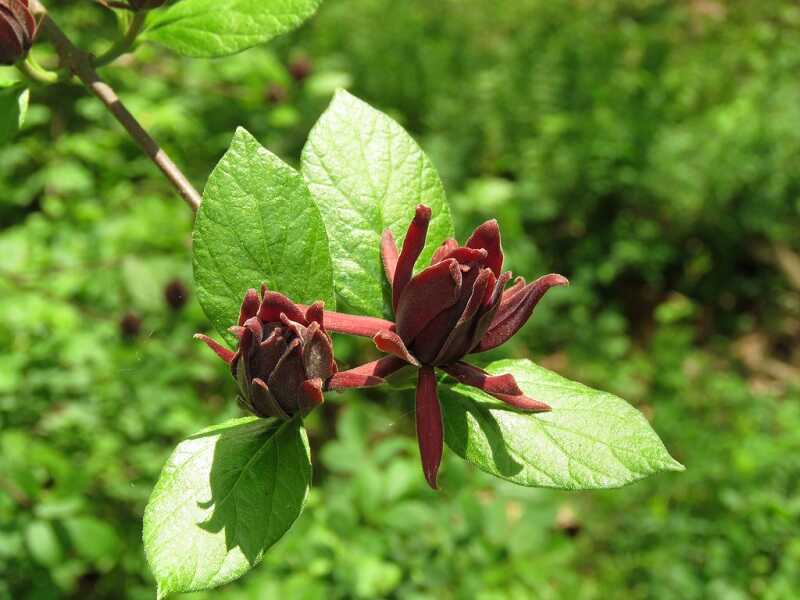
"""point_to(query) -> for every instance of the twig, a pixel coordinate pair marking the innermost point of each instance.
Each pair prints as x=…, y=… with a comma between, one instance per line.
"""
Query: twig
x=80, y=64
x=125, y=43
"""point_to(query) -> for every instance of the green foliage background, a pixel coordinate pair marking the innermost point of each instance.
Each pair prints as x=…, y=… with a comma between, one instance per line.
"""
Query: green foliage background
x=646, y=149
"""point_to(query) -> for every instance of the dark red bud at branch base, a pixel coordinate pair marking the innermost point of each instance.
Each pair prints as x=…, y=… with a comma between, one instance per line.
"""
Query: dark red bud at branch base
x=17, y=30
x=300, y=68
x=284, y=355
x=275, y=93
x=176, y=294
x=130, y=325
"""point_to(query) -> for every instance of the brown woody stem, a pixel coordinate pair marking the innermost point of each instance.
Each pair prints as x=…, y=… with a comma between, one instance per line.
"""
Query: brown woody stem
x=80, y=64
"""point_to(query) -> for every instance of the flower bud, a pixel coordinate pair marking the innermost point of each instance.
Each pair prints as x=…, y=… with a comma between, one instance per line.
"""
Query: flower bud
x=176, y=294
x=275, y=93
x=284, y=355
x=17, y=30
x=130, y=325
x=300, y=68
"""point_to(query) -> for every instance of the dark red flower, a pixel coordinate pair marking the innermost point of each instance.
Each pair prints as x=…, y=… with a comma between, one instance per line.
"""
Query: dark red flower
x=284, y=355
x=17, y=30
x=300, y=68
x=457, y=306
x=176, y=294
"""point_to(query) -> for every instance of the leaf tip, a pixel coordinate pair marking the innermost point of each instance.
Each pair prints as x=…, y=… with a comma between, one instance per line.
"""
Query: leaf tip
x=674, y=465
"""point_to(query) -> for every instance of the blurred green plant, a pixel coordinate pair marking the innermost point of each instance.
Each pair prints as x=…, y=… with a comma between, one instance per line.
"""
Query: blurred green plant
x=645, y=148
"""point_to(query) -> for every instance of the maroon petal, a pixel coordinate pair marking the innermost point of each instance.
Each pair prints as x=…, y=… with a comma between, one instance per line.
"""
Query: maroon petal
x=430, y=434
x=366, y=375
x=287, y=377
x=514, y=314
x=389, y=255
x=503, y=387
x=442, y=251
x=516, y=287
x=354, y=324
x=249, y=307
x=390, y=342
x=316, y=313
x=318, y=354
x=489, y=309
x=312, y=390
x=12, y=37
x=269, y=353
x=458, y=342
x=487, y=236
x=220, y=350
x=264, y=403
x=254, y=326
x=426, y=295
x=276, y=303
x=465, y=255
x=413, y=244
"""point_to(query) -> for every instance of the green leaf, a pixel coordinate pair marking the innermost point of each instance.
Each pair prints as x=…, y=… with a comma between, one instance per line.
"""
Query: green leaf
x=590, y=439
x=257, y=223
x=225, y=495
x=13, y=106
x=366, y=174
x=209, y=28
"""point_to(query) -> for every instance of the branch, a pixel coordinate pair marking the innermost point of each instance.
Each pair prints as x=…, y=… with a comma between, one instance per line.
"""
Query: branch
x=80, y=64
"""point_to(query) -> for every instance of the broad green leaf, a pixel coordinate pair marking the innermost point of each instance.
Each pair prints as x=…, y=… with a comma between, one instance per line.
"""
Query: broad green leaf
x=13, y=106
x=590, y=439
x=367, y=174
x=257, y=223
x=225, y=495
x=208, y=28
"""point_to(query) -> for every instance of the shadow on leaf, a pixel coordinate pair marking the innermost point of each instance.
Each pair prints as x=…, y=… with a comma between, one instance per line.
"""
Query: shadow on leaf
x=259, y=480
x=456, y=409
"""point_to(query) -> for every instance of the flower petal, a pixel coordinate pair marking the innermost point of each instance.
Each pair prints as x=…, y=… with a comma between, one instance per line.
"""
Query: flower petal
x=503, y=387
x=442, y=251
x=224, y=353
x=263, y=403
x=391, y=343
x=353, y=324
x=430, y=434
x=249, y=307
x=389, y=255
x=316, y=313
x=426, y=295
x=487, y=236
x=413, y=244
x=515, y=313
x=287, y=377
x=489, y=309
x=366, y=375
x=312, y=390
x=318, y=353
x=458, y=341
x=276, y=303
x=465, y=255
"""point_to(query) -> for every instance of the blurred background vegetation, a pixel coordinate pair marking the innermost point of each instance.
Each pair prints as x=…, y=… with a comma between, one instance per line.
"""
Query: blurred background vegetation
x=647, y=149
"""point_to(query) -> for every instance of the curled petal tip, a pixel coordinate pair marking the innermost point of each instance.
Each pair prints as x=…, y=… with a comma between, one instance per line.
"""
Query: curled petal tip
x=224, y=353
x=554, y=279
x=391, y=343
x=423, y=212
x=430, y=433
